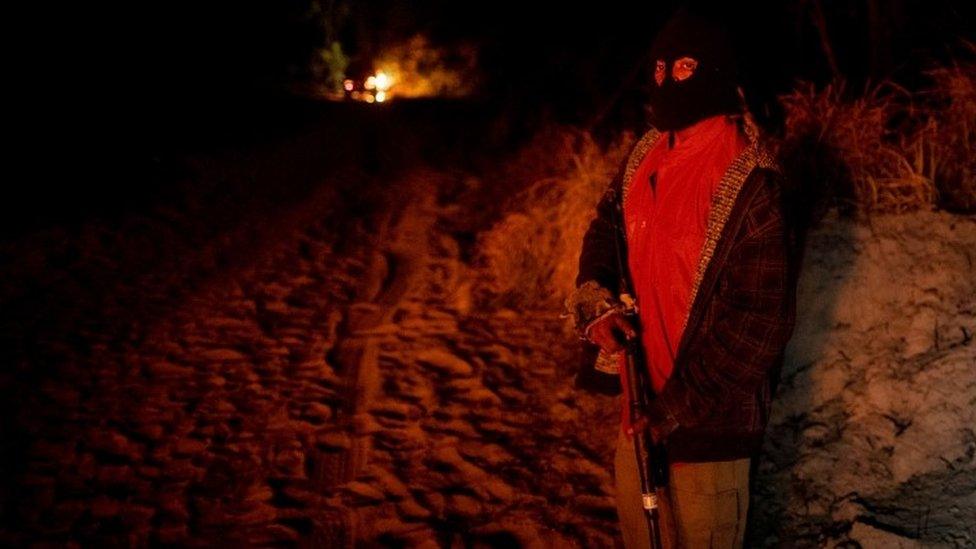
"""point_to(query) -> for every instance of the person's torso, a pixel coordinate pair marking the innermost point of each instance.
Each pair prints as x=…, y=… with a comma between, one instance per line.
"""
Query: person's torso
x=666, y=217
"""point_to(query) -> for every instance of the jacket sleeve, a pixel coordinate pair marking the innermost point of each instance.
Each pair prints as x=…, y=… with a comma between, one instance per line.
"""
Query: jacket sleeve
x=749, y=322
x=598, y=277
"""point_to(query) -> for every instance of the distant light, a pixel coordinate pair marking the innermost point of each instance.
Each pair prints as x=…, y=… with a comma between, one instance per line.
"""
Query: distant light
x=411, y=68
x=379, y=84
x=382, y=81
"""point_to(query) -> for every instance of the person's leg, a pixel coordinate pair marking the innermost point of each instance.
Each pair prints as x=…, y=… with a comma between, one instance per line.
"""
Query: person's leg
x=710, y=501
x=742, y=477
x=633, y=524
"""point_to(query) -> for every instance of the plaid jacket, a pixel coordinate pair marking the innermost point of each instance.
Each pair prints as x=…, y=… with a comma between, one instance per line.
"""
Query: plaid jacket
x=715, y=405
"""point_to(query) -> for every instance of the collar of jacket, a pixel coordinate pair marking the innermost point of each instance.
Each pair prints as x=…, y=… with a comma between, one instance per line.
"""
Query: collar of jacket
x=727, y=195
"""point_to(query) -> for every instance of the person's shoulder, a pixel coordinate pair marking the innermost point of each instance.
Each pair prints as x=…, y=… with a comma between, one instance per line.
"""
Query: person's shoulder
x=764, y=209
x=767, y=180
x=765, y=170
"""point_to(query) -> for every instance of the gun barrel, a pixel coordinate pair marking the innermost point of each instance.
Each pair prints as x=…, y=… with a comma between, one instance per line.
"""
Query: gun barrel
x=647, y=462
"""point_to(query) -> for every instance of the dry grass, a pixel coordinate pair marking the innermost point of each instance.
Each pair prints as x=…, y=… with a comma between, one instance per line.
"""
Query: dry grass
x=869, y=149
x=530, y=256
x=888, y=149
x=952, y=152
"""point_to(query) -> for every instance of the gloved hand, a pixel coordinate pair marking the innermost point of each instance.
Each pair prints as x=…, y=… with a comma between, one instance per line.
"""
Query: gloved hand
x=611, y=331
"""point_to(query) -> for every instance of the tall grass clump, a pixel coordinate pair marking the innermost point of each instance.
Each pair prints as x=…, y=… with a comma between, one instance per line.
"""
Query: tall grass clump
x=530, y=256
x=864, y=152
x=951, y=101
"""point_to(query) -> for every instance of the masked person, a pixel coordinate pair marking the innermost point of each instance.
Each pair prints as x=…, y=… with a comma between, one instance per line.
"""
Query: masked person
x=696, y=212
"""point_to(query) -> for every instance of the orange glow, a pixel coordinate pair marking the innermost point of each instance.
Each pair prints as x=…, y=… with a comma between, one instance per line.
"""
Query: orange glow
x=415, y=68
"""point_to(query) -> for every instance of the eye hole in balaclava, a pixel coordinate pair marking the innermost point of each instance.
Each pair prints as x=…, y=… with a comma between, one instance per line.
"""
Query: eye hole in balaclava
x=682, y=69
x=694, y=73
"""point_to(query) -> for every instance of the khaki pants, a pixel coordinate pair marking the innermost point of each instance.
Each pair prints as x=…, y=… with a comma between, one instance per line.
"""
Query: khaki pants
x=704, y=506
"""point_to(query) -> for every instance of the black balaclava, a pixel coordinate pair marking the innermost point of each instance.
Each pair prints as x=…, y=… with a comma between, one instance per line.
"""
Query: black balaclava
x=711, y=88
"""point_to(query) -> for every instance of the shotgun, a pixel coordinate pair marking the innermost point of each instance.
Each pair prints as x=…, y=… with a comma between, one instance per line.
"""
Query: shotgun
x=651, y=460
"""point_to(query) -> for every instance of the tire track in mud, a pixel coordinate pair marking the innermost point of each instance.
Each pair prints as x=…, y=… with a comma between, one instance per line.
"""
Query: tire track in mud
x=356, y=352
x=464, y=432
